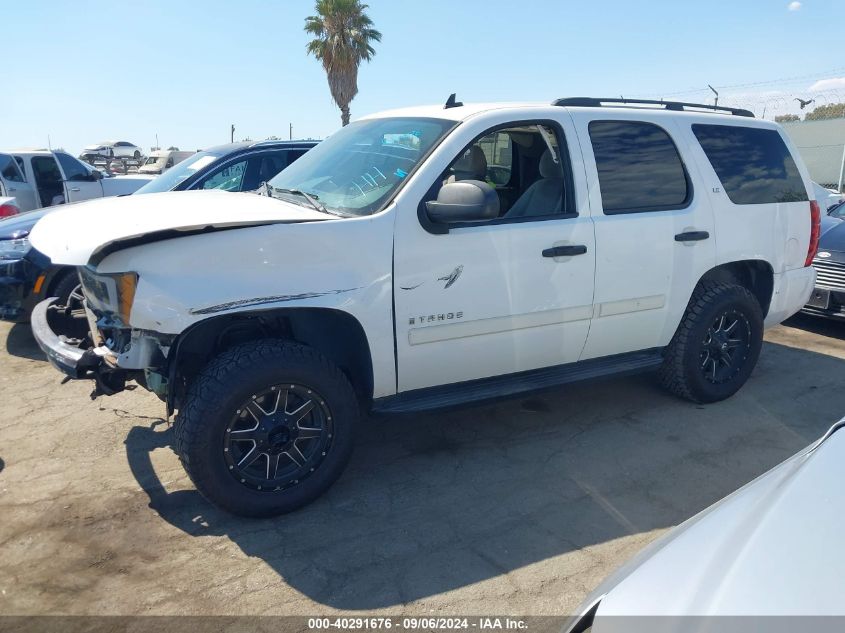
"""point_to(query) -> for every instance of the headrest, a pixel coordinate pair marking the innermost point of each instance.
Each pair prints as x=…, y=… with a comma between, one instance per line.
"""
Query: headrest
x=548, y=167
x=472, y=165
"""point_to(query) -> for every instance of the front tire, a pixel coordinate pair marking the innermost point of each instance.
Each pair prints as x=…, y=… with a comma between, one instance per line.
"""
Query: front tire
x=716, y=345
x=266, y=428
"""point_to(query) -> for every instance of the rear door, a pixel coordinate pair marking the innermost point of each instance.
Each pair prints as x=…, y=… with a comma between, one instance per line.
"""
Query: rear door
x=79, y=182
x=654, y=230
x=15, y=184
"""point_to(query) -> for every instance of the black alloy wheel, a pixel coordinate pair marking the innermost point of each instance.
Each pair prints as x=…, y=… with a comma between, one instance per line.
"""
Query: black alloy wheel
x=725, y=347
x=278, y=437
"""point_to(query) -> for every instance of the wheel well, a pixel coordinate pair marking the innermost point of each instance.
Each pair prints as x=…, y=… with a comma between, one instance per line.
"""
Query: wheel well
x=58, y=276
x=755, y=275
x=335, y=334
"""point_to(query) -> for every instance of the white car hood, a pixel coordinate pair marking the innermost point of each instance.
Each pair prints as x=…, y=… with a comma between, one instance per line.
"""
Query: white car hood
x=772, y=548
x=72, y=234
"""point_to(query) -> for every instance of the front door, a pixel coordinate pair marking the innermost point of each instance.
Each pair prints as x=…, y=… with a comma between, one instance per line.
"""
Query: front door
x=80, y=184
x=504, y=295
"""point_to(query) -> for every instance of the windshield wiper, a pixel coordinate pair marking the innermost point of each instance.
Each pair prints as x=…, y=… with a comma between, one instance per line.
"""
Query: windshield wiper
x=312, y=199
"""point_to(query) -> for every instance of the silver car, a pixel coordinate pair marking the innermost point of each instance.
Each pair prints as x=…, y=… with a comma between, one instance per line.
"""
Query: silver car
x=772, y=548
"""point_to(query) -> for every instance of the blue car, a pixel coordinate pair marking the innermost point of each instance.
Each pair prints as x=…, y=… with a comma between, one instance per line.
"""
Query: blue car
x=25, y=280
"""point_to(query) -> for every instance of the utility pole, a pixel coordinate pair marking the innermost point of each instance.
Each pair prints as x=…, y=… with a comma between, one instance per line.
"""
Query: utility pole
x=715, y=92
x=233, y=133
x=841, y=170
x=291, y=131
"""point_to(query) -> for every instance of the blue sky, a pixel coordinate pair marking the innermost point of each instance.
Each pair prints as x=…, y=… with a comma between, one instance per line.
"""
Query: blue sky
x=87, y=71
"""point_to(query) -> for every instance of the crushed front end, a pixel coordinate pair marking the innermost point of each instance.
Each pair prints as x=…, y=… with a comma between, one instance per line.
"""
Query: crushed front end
x=97, y=342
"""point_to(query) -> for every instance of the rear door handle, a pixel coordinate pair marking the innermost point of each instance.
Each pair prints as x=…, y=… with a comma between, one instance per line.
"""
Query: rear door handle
x=565, y=251
x=692, y=236
x=75, y=189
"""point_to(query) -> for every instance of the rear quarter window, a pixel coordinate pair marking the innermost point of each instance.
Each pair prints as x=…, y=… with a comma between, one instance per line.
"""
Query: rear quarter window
x=639, y=167
x=753, y=164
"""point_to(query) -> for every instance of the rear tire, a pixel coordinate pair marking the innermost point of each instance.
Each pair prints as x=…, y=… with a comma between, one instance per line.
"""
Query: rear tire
x=242, y=422
x=716, y=345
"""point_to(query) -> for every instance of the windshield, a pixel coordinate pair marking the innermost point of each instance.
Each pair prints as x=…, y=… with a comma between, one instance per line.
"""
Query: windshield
x=184, y=170
x=358, y=169
x=152, y=160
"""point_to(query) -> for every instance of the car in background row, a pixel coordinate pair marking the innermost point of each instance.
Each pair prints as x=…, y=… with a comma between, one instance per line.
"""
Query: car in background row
x=8, y=206
x=828, y=297
x=827, y=198
x=25, y=281
x=112, y=149
x=160, y=161
x=772, y=548
x=41, y=178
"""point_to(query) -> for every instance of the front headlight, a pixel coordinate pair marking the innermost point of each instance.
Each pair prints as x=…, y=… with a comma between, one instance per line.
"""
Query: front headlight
x=14, y=249
x=111, y=293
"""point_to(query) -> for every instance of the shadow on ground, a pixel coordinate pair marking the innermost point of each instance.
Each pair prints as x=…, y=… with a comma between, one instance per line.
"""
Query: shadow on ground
x=435, y=502
x=817, y=325
x=20, y=343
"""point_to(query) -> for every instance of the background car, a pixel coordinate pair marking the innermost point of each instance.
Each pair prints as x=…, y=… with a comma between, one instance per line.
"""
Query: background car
x=8, y=206
x=26, y=279
x=112, y=149
x=827, y=198
x=828, y=297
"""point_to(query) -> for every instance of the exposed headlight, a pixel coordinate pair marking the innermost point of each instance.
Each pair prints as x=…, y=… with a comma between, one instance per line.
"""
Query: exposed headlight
x=111, y=293
x=13, y=249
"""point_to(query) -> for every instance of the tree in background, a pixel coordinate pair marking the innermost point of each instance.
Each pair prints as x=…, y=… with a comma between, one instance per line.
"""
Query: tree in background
x=787, y=118
x=830, y=111
x=343, y=38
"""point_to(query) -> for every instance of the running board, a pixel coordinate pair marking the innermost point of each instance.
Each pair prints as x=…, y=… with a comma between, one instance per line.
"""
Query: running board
x=513, y=384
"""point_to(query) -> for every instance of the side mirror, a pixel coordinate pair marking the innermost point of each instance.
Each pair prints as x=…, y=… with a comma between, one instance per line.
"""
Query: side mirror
x=96, y=175
x=464, y=201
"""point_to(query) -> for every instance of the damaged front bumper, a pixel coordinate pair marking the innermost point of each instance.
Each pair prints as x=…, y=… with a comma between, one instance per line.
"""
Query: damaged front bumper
x=69, y=357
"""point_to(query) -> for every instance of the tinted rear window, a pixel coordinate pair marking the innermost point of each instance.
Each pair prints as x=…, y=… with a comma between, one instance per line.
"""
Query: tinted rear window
x=753, y=164
x=639, y=167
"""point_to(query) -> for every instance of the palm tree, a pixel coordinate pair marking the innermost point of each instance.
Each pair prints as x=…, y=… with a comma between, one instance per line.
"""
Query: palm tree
x=343, y=37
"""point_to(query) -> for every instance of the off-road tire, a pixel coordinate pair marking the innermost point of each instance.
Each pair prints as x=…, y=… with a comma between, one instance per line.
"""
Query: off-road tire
x=682, y=372
x=223, y=386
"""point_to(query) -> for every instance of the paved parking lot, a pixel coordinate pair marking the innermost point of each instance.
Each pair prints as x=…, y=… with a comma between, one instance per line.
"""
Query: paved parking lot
x=519, y=507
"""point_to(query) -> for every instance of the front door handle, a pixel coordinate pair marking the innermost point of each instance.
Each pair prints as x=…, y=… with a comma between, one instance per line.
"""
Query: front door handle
x=565, y=251
x=12, y=189
x=692, y=236
x=75, y=189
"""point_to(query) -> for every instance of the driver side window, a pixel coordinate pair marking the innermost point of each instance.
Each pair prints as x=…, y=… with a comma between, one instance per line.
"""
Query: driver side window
x=526, y=165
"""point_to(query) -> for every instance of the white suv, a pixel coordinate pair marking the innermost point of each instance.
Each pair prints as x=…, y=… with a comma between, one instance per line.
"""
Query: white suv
x=433, y=256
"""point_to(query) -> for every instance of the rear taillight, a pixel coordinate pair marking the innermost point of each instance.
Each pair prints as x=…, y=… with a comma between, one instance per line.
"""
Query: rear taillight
x=815, y=232
x=7, y=210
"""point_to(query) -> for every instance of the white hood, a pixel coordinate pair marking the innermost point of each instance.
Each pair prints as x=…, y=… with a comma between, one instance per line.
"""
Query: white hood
x=72, y=234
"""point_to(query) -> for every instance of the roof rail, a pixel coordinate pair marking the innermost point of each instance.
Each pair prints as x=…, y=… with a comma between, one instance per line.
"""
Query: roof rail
x=678, y=106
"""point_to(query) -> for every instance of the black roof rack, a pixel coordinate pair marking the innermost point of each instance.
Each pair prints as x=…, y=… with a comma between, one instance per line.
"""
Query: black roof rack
x=678, y=106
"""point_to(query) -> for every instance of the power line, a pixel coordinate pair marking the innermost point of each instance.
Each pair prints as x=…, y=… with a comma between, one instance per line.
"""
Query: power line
x=753, y=84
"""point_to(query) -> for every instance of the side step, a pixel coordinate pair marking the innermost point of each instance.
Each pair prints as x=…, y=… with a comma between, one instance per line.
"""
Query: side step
x=523, y=382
